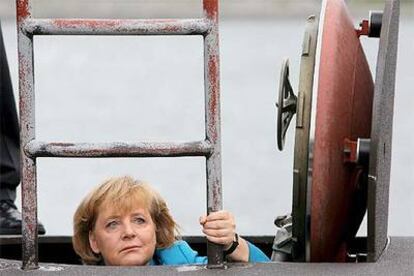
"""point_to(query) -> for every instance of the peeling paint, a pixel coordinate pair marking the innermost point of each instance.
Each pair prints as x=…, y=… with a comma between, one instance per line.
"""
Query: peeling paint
x=213, y=124
x=23, y=9
x=118, y=149
x=199, y=26
x=210, y=147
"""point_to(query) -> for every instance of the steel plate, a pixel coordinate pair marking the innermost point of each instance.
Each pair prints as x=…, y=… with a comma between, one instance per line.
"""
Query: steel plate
x=381, y=134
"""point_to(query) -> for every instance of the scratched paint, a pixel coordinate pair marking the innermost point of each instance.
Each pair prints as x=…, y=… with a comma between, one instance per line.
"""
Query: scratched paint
x=213, y=127
x=117, y=26
x=23, y=9
x=118, y=149
x=210, y=148
x=27, y=133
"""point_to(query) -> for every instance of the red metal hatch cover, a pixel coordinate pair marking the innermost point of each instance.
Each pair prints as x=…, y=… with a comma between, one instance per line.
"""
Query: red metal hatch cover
x=343, y=111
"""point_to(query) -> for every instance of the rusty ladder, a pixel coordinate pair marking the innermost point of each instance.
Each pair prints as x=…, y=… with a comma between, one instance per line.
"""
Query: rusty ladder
x=28, y=27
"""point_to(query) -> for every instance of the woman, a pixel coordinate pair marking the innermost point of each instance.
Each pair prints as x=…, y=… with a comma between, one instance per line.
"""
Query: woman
x=126, y=222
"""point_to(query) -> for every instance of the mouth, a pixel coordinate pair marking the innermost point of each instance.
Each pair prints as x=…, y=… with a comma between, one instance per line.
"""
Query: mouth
x=130, y=248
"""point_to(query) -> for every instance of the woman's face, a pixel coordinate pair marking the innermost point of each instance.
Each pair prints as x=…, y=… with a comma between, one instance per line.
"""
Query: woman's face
x=124, y=239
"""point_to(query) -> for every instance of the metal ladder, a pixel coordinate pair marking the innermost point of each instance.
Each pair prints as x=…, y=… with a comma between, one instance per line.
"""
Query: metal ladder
x=28, y=27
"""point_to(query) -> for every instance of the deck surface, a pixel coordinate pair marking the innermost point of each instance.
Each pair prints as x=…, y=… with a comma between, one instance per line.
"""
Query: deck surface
x=396, y=260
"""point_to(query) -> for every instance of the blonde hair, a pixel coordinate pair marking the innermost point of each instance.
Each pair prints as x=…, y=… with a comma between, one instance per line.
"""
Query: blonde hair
x=120, y=193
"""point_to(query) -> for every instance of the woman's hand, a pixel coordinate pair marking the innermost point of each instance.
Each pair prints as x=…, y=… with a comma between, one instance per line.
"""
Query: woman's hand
x=220, y=227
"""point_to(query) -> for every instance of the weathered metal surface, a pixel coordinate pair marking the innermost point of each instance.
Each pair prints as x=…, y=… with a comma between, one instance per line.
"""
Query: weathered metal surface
x=27, y=133
x=344, y=104
x=116, y=26
x=301, y=190
x=23, y=10
x=118, y=149
x=212, y=107
x=211, y=148
x=396, y=260
x=381, y=133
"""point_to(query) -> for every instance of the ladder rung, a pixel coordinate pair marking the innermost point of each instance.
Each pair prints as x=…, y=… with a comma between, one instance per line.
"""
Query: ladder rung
x=197, y=26
x=117, y=149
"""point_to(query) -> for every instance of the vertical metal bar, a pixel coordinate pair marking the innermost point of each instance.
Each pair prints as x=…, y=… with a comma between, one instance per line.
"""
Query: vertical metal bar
x=27, y=133
x=212, y=102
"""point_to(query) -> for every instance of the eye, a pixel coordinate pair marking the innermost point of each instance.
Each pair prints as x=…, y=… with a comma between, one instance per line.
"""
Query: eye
x=112, y=224
x=139, y=220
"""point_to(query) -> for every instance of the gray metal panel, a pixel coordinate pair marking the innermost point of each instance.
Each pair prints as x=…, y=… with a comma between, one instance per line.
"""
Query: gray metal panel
x=381, y=133
x=301, y=191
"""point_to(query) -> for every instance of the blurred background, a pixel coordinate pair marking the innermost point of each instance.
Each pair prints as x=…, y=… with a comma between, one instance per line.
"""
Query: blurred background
x=151, y=88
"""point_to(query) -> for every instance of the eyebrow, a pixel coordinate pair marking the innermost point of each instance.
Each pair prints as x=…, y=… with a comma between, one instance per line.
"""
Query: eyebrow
x=112, y=217
x=138, y=213
x=116, y=216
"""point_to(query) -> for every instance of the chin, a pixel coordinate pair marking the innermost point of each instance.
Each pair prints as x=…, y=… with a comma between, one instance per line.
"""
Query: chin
x=134, y=259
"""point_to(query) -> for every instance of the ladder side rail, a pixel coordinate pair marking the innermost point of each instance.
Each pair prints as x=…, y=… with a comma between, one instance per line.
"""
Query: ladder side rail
x=213, y=124
x=27, y=133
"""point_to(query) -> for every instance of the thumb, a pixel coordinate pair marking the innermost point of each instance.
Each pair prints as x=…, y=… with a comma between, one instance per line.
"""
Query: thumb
x=202, y=219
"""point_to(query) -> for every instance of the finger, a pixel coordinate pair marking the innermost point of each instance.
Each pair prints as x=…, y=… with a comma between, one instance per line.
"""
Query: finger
x=202, y=219
x=222, y=233
x=219, y=215
x=219, y=224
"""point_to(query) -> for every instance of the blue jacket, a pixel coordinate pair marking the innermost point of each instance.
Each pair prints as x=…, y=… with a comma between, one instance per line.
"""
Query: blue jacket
x=180, y=253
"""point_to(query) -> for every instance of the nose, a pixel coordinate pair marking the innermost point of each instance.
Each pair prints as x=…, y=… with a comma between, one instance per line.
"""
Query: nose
x=128, y=231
